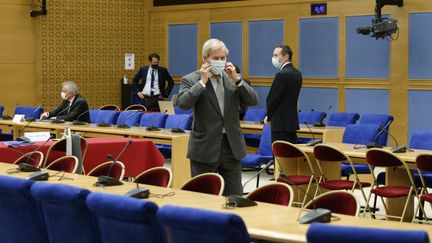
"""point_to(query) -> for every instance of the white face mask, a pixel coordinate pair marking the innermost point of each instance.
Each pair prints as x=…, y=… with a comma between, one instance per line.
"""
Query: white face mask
x=276, y=63
x=217, y=66
x=63, y=95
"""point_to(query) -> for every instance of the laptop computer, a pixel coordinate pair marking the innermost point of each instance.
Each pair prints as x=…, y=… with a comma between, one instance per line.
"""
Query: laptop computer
x=166, y=105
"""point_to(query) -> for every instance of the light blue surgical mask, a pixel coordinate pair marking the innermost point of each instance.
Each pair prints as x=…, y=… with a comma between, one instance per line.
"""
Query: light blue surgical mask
x=217, y=66
x=276, y=63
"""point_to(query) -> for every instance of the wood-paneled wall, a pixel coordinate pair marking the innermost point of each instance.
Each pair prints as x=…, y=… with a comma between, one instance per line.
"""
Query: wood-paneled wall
x=291, y=11
x=17, y=54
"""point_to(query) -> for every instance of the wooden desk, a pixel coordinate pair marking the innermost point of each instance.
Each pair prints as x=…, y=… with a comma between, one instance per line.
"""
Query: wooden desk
x=180, y=165
x=327, y=134
x=393, y=177
x=265, y=221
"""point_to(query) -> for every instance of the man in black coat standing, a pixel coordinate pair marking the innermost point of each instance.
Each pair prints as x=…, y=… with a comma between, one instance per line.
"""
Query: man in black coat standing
x=154, y=83
x=283, y=96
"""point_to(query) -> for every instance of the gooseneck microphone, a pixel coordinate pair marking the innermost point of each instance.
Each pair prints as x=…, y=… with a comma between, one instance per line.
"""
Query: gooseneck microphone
x=375, y=143
x=57, y=120
x=25, y=166
x=153, y=127
x=102, y=123
x=321, y=215
x=138, y=192
x=323, y=115
x=178, y=129
x=77, y=121
x=398, y=148
x=108, y=180
x=314, y=141
x=123, y=124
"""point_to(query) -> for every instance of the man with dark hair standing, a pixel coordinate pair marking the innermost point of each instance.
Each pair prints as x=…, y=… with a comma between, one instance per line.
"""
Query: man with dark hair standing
x=153, y=86
x=283, y=96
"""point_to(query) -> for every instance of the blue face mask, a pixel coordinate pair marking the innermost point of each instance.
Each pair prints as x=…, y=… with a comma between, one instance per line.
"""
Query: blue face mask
x=217, y=66
x=276, y=63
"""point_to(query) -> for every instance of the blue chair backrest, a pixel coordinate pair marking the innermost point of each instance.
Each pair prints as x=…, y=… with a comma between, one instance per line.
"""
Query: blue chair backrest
x=320, y=233
x=20, y=218
x=265, y=145
x=255, y=114
x=1, y=110
x=125, y=219
x=360, y=133
x=153, y=119
x=197, y=225
x=380, y=120
x=106, y=116
x=342, y=119
x=421, y=139
x=311, y=117
x=30, y=112
x=65, y=213
x=183, y=121
x=178, y=110
x=131, y=118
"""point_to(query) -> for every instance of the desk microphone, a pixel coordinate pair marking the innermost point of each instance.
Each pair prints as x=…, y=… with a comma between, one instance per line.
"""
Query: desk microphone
x=178, y=129
x=321, y=215
x=398, y=148
x=108, y=180
x=270, y=163
x=102, y=123
x=154, y=128
x=77, y=121
x=323, y=115
x=375, y=143
x=138, y=192
x=25, y=166
x=314, y=141
x=57, y=120
x=123, y=124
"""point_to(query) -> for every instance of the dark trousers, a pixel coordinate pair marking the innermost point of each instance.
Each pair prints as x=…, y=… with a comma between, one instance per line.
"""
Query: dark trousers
x=151, y=103
x=284, y=136
x=227, y=166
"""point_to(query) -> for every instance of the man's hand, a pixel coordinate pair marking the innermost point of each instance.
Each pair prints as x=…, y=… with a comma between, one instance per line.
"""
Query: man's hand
x=141, y=95
x=266, y=121
x=44, y=115
x=231, y=71
x=204, y=71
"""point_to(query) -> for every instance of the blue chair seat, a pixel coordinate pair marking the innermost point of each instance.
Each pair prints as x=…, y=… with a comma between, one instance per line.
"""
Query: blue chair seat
x=360, y=168
x=254, y=160
x=252, y=140
x=165, y=149
x=427, y=176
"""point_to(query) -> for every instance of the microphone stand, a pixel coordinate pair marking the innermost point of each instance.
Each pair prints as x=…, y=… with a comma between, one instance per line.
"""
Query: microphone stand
x=78, y=122
x=154, y=128
x=108, y=180
x=323, y=115
x=124, y=125
x=177, y=129
x=375, y=144
x=314, y=141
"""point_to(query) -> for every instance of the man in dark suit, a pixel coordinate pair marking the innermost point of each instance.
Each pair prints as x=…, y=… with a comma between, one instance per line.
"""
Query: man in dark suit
x=215, y=93
x=154, y=83
x=283, y=96
x=73, y=107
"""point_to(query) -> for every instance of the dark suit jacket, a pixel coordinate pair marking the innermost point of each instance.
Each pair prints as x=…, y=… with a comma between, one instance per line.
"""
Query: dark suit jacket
x=282, y=100
x=163, y=77
x=78, y=107
x=208, y=120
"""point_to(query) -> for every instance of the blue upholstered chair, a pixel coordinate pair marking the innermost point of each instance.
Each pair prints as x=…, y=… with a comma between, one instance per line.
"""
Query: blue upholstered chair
x=327, y=233
x=178, y=110
x=30, y=112
x=311, y=118
x=254, y=115
x=130, y=118
x=358, y=134
x=380, y=120
x=1, y=110
x=264, y=155
x=125, y=219
x=20, y=218
x=103, y=116
x=155, y=119
x=182, y=121
x=196, y=225
x=65, y=213
x=342, y=119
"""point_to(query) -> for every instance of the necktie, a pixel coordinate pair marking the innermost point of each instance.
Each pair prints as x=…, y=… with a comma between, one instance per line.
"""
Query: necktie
x=219, y=89
x=152, y=81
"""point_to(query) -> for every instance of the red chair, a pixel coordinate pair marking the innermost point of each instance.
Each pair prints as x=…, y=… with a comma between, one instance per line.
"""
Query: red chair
x=58, y=149
x=341, y=202
x=275, y=193
x=67, y=164
x=116, y=170
x=329, y=154
x=288, y=155
x=34, y=158
x=424, y=164
x=385, y=159
x=156, y=176
x=110, y=107
x=210, y=183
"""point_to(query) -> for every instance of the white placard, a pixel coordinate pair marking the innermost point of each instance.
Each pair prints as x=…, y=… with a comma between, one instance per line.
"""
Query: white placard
x=18, y=118
x=129, y=61
x=37, y=136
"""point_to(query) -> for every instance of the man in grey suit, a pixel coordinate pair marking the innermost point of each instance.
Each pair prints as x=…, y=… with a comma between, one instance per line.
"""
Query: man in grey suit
x=214, y=93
